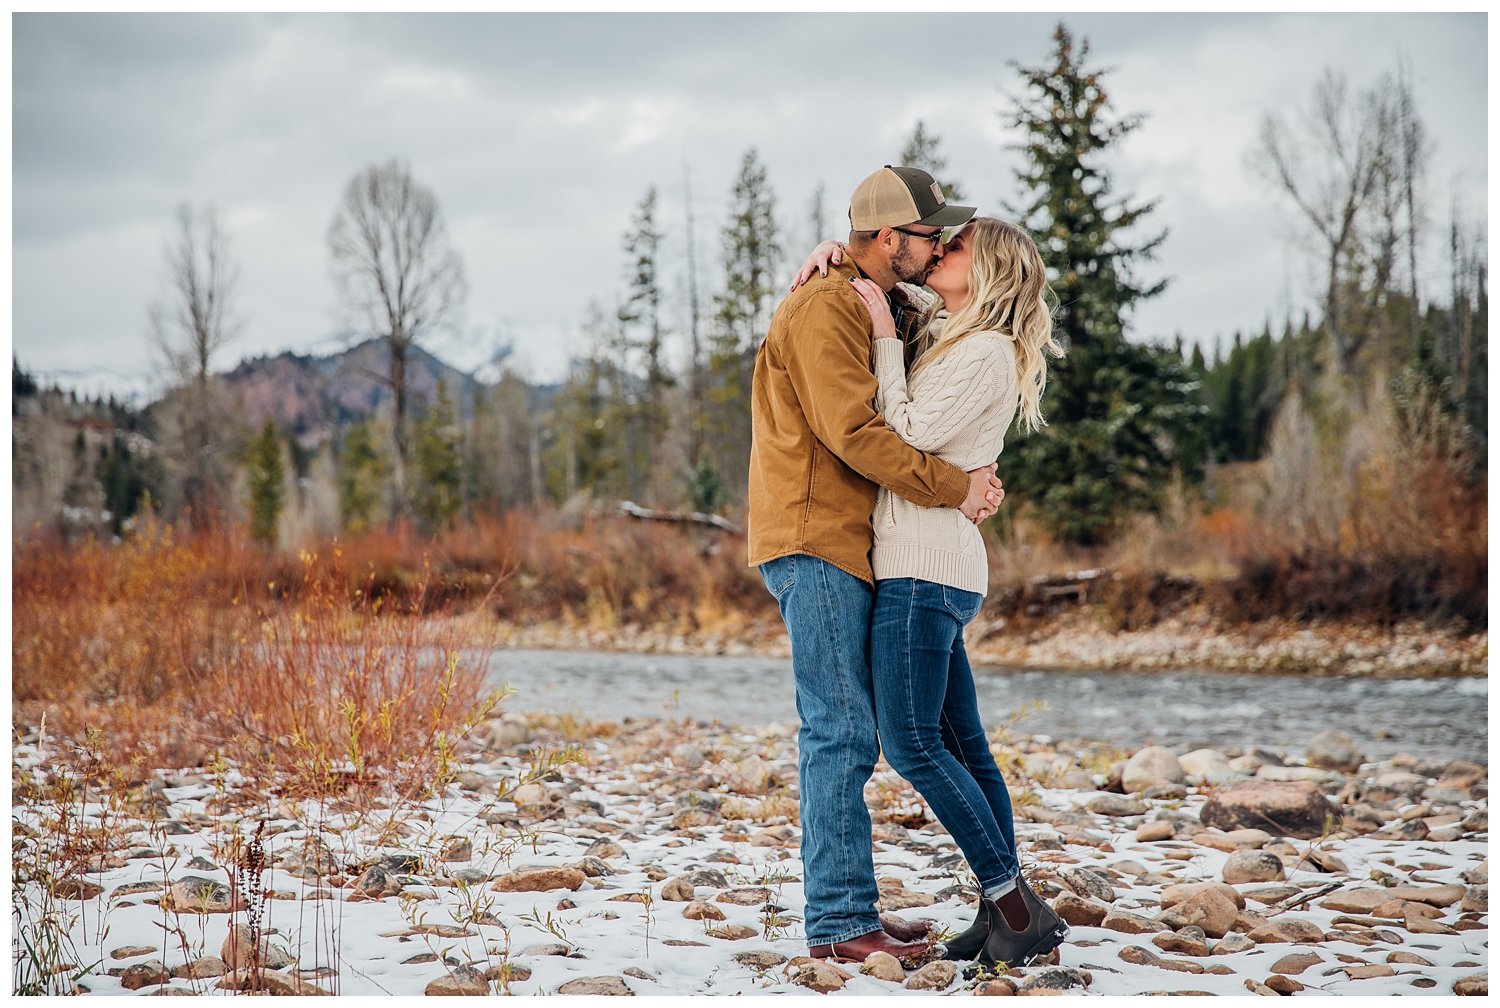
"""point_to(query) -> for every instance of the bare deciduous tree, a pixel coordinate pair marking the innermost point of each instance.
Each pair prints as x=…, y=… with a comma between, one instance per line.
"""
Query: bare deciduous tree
x=190, y=325
x=397, y=271
x=1332, y=165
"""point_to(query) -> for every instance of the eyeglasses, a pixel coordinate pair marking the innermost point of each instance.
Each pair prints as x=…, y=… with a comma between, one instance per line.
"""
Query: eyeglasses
x=936, y=237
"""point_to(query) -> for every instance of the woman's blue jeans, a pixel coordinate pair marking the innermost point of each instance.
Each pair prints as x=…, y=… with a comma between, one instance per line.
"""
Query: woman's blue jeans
x=827, y=616
x=929, y=719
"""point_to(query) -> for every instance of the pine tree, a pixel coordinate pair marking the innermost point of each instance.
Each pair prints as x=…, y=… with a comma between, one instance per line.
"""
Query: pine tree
x=1120, y=416
x=267, y=490
x=363, y=472
x=589, y=453
x=750, y=256
x=642, y=334
x=439, y=490
x=921, y=151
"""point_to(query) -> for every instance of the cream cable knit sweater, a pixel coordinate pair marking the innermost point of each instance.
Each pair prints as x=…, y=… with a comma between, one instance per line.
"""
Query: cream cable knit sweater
x=958, y=408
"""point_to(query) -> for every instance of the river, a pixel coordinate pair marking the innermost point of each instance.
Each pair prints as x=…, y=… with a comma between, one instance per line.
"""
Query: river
x=1432, y=718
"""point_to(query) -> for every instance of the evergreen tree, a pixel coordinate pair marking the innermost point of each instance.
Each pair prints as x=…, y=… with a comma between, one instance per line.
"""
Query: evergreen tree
x=750, y=256
x=363, y=472
x=641, y=335
x=439, y=490
x=267, y=485
x=1120, y=416
x=706, y=488
x=921, y=151
x=589, y=452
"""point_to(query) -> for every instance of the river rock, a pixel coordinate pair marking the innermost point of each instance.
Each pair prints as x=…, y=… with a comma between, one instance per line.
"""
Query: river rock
x=1253, y=866
x=677, y=890
x=199, y=894
x=1473, y=986
x=237, y=951
x=748, y=896
x=1176, y=893
x=1462, y=775
x=310, y=858
x=1208, y=909
x=731, y=932
x=202, y=968
x=539, y=880
x=759, y=959
x=609, y=986
x=1288, y=929
x=146, y=974
x=1058, y=979
x=270, y=981
x=1355, y=901
x=998, y=987
x=1296, y=964
x=378, y=882
x=1129, y=923
x=1078, y=911
x=709, y=877
x=1232, y=944
x=1295, y=808
x=1154, y=831
x=823, y=977
x=699, y=910
x=1335, y=751
x=456, y=849
x=1189, y=941
x=883, y=966
x=463, y=981
x=1151, y=765
x=935, y=976
x=1476, y=899
x=1117, y=806
x=1208, y=766
x=1437, y=896
x=132, y=951
x=593, y=867
x=77, y=889
x=1392, y=786
x=1085, y=882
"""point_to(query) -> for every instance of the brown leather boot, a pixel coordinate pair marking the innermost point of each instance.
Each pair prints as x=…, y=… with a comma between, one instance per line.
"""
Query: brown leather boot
x=905, y=931
x=857, y=949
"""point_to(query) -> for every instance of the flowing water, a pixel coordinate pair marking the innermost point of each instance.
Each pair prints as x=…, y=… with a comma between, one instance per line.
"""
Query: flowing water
x=1433, y=718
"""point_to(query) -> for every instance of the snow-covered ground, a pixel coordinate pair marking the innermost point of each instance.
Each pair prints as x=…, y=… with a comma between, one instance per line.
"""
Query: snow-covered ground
x=674, y=870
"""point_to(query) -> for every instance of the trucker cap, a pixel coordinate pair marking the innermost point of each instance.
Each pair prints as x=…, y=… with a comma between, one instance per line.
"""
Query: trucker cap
x=895, y=196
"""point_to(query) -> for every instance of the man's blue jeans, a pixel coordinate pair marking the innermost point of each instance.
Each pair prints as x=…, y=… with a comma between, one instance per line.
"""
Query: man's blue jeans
x=929, y=719
x=827, y=616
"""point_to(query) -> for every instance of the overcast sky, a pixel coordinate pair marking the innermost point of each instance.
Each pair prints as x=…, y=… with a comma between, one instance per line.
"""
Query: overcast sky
x=539, y=134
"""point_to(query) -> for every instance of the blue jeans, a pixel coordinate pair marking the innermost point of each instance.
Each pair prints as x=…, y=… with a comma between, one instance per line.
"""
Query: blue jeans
x=827, y=616
x=929, y=719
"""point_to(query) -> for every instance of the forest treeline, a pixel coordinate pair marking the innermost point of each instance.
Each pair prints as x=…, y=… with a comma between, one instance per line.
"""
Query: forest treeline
x=1348, y=439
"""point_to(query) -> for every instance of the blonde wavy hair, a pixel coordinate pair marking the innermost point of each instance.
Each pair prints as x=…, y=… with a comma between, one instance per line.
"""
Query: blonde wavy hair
x=1008, y=294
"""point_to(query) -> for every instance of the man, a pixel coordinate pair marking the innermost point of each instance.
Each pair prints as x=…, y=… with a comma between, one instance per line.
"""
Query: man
x=819, y=450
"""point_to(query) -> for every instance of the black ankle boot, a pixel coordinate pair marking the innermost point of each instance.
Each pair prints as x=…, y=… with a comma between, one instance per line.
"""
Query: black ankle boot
x=1041, y=935
x=966, y=945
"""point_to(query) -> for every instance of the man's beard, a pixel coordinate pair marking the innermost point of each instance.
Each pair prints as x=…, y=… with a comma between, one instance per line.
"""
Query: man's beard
x=910, y=267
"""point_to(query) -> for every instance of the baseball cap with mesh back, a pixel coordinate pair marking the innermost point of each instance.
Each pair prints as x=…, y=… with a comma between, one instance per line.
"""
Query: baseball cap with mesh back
x=896, y=196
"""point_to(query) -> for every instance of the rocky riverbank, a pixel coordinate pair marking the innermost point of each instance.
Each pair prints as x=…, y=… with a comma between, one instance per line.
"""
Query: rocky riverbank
x=1078, y=639
x=663, y=859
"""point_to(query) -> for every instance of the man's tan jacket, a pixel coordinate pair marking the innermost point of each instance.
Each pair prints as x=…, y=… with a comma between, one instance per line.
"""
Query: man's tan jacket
x=820, y=450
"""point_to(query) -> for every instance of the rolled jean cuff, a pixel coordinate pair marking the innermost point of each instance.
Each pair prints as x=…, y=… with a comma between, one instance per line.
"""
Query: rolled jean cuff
x=986, y=887
x=1004, y=884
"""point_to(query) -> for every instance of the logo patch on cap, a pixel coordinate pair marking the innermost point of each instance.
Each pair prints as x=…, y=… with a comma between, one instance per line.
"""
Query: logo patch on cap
x=937, y=192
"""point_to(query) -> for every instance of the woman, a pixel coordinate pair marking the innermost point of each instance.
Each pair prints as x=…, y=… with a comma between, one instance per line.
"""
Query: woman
x=979, y=364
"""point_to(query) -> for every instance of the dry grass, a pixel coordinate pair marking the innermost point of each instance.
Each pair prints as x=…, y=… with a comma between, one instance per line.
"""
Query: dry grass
x=165, y=649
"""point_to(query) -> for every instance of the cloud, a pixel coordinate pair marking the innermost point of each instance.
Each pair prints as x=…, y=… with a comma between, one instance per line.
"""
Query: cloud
x=540, y=133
